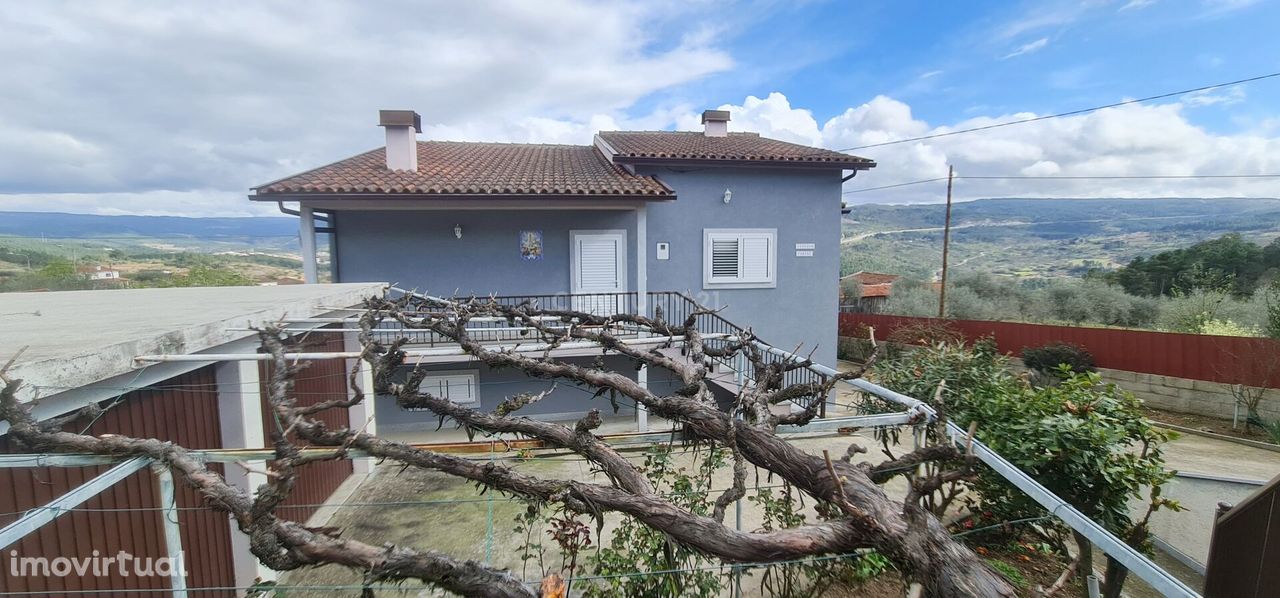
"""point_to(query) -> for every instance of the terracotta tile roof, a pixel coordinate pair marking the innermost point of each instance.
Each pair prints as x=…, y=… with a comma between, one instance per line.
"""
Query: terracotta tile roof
x=451, y=168
x=876, y=290
x=678, y=146
x=870, y=278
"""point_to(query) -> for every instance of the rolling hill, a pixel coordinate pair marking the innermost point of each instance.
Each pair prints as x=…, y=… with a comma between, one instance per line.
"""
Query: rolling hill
x=1043, y=238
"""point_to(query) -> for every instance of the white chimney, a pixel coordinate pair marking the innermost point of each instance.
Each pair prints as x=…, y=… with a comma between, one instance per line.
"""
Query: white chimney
x=402, y=128
x=716, y=123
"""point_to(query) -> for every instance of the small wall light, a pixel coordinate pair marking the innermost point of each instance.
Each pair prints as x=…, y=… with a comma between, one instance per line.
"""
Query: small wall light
x=728, y=195
x=457, y=230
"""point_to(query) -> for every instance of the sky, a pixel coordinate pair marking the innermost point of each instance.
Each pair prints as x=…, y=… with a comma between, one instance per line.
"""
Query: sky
x=179, y=108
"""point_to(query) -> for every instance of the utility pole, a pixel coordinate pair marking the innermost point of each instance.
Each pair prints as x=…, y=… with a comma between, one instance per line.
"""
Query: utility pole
x=946, y=246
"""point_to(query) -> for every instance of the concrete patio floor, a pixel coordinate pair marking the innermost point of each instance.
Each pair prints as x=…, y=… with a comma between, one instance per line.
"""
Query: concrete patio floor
x=429, y=510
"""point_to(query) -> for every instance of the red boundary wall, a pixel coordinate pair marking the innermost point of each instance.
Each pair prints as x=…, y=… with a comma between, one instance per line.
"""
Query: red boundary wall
x=1226, y=359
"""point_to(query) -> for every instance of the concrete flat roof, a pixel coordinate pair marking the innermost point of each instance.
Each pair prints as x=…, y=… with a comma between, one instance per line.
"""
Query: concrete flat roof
x=74, y=338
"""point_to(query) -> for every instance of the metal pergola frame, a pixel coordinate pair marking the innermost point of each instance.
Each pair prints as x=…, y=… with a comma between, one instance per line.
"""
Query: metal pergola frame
x=39, y=516
x=125, y=467
x=1128, y=556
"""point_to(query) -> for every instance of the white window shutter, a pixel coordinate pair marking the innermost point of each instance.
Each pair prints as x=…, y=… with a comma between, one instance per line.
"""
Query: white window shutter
x=740, y=258
x=756, y=251
x=598, y=265
x=725, y=258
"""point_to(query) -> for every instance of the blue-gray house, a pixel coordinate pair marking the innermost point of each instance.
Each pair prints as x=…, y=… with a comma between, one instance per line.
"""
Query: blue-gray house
x=731, y=219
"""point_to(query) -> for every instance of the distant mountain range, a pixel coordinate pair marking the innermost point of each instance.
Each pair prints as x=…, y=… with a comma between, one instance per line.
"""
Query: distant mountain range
x=1256, y=213
x=1043, y=238
x=77, y=226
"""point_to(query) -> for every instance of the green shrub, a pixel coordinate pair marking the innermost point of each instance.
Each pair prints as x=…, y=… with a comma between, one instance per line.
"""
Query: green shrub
x=1048, y=359
x=636, y=547
x=1273, y=431
x=1085, y=441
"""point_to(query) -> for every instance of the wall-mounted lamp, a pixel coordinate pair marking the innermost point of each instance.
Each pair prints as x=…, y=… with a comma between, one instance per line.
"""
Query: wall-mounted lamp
x=457, y=230
x=728, y=195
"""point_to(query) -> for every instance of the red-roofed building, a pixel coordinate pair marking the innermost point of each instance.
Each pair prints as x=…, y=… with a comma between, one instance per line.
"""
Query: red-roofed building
x=866, y=291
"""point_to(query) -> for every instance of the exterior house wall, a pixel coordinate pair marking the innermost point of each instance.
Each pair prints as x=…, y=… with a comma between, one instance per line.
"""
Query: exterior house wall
x=804, y=207
x=495, y=385
x=418, y=249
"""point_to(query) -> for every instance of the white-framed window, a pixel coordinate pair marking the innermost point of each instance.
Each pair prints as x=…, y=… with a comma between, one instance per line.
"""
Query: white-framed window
x=739, y=258
x=460, y=386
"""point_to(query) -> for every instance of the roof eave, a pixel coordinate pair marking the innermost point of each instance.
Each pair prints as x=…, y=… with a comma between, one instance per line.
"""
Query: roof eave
x=788, y=164
x=259, y=196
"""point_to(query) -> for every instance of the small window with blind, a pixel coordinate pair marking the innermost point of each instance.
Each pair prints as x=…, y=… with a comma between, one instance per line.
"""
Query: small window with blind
x=739, y=258
x=461, y=387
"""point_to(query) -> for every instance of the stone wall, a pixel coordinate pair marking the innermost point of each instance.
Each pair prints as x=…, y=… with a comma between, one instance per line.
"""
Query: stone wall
x=1182, y=395
x=1212, y=399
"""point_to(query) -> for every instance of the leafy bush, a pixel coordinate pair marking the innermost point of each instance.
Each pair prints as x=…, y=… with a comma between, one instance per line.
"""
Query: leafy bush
x=1047, y=359
x=1273, y=431
x=972, y=375
x=928, y=333
x=635, y=547
x=853, y=349
x=1087, y=442
x=1227, y=328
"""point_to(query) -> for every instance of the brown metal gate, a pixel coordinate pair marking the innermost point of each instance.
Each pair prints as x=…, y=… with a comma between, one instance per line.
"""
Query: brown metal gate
x=1244, y=554
x=184, y=410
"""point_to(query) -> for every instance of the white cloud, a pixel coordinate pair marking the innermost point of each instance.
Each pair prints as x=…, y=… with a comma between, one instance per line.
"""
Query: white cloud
x=135, y=97
x=1136, y=5
x=772, y=116
x=179, y=110
x=1138, y=139
x=1028, y=48
x=1044, y=15
x=1209, y=97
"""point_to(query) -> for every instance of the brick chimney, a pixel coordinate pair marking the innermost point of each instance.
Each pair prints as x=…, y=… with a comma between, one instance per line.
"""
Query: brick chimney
x=716, y=123
x=402, y=128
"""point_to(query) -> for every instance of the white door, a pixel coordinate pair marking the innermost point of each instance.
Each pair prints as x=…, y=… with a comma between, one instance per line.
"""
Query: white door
x=599, y=270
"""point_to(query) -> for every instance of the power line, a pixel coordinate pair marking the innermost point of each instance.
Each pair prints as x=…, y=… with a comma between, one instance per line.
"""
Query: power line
x=1062, y=114
x=1073, y=177
x=1121, y=176
x=896, y=185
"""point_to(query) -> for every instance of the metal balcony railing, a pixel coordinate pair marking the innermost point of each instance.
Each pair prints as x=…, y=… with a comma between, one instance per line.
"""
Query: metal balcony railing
x=669, y=306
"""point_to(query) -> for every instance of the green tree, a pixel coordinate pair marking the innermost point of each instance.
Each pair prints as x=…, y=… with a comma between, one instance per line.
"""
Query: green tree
x=1229, y=257
x=1271, y=297
x=59, y=269
x=207, y=276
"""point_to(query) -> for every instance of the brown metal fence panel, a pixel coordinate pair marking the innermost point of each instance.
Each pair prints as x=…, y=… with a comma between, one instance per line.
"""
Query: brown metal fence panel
x=1225, y=359
x=322, y=380
x=1245, y=549
x=184, y=410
